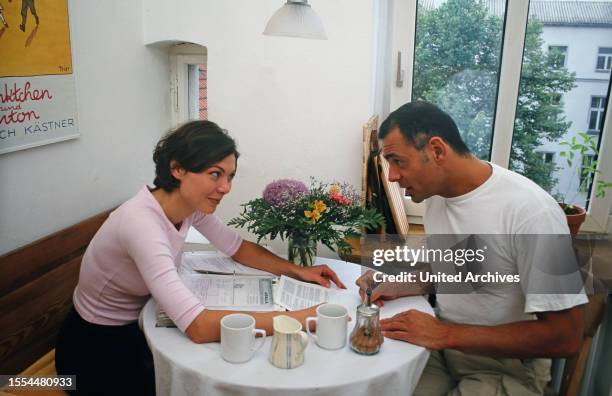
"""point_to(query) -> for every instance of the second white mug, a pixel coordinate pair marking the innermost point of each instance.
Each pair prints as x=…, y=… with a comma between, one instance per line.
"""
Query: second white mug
x=332, y=322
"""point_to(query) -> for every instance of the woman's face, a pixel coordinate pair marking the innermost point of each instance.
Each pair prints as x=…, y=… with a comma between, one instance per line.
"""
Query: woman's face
x=203, y=191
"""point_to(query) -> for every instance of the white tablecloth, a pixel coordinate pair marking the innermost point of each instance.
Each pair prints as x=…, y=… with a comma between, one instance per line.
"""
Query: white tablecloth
x=185, y=368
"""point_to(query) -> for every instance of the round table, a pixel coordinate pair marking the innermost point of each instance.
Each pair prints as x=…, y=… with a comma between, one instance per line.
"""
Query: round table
x=185, y=368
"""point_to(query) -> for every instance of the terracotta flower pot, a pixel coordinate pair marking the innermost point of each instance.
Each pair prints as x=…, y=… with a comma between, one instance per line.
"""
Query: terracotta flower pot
x=574, y=220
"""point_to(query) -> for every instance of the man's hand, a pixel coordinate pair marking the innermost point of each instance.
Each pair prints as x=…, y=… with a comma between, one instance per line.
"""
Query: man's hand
x=417, y=328
x=384, y=291
x=320, y=274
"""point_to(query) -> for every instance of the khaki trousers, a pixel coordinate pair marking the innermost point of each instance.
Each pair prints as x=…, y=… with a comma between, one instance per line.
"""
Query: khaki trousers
x=453, y=373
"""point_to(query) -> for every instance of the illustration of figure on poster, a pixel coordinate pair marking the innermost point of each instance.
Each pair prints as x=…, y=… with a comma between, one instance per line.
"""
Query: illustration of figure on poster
x=2, y=18
x=25, y=6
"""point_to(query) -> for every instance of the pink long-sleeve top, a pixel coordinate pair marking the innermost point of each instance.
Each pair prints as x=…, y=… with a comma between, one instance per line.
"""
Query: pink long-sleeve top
x=135, y=254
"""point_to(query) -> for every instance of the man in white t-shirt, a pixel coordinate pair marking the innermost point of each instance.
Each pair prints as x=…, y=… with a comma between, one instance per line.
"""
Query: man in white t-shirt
x=486, y=342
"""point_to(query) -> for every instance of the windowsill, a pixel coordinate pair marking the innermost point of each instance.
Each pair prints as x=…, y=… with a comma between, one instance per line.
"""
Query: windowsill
x=356, y=254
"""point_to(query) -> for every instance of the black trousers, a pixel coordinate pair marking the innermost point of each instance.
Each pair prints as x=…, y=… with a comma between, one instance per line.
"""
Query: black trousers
x=107, y=360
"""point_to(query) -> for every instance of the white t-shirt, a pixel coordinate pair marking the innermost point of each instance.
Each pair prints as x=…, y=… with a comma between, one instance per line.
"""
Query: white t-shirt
x=505, y=204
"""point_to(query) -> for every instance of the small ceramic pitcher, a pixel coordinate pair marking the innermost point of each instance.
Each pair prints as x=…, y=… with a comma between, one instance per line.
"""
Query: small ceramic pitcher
x=288, y=343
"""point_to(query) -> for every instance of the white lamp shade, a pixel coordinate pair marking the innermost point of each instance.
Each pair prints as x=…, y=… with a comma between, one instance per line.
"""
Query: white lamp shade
x=296, y=20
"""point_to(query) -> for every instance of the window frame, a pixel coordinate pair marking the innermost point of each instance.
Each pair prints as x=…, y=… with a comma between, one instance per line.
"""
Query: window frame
x=600, y=114
x=181, y=56
x=545, y=153
x=607, y=60
x=565, y=53
x=401, y=39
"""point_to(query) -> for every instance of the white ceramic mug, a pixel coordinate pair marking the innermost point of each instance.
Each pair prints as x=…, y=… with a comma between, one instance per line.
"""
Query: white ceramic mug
x=332, y=322
x=288, y=343
x=238, y=343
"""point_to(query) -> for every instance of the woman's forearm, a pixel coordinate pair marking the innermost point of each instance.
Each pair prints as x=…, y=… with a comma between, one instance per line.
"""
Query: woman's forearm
x=206, y=327
x=253, y=255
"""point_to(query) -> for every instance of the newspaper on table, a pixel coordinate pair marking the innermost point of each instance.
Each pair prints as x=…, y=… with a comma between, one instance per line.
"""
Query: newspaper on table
x=294, y=295
x=221, y=283
x=215, y=262
x=228, y=292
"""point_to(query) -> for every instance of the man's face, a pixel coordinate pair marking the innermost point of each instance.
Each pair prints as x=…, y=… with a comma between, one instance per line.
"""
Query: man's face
x=413, y=169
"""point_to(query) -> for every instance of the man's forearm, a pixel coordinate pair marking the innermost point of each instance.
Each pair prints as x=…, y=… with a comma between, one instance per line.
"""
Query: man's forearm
x=526, y=339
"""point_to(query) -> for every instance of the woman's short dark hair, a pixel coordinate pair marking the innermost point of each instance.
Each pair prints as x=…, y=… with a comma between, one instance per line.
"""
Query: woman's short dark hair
x=420, y=121
x=194, y=146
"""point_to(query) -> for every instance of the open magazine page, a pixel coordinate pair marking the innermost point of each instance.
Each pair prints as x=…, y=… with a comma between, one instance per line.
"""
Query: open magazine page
x=293, y=295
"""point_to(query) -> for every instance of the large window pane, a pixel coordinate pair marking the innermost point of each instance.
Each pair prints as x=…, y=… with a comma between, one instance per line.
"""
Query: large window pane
x=562, y=97
x=457, y=61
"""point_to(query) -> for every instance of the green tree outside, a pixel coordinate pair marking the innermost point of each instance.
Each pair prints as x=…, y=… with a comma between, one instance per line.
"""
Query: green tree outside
x=457, y=61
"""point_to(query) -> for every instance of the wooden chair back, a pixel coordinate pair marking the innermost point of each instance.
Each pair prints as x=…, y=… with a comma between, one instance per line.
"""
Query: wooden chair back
x=377, y=190
x=575, y=365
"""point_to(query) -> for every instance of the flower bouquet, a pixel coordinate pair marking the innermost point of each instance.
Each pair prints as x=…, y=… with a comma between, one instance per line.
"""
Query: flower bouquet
x=326, y=213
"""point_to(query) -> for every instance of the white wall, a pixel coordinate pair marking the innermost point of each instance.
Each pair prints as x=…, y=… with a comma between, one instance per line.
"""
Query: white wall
x=295, y=106
x=121, y=90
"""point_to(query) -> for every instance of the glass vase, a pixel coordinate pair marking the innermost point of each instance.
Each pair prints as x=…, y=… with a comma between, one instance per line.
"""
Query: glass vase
x=302, y=251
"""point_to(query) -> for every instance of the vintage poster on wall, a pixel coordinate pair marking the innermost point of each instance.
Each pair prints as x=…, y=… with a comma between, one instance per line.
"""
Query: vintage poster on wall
x=37, y=91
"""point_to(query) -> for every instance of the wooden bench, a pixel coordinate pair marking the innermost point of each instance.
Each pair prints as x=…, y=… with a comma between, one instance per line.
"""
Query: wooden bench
x=36, y=289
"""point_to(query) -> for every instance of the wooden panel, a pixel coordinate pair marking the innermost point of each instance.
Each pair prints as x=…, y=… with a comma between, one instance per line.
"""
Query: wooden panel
x=29, y=262
x=30, y=316
x=369, y=132
x=36, y=289
x=395, y=196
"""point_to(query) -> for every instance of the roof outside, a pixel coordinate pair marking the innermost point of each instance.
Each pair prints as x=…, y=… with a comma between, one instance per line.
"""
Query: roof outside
x=557, y=12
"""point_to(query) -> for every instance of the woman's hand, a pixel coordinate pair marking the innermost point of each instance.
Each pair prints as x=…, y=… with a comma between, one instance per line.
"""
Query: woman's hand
x=320, y=274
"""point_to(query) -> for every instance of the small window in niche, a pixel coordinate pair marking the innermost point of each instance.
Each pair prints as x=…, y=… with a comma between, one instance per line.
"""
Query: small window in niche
x=189, y=82
x=198, y=92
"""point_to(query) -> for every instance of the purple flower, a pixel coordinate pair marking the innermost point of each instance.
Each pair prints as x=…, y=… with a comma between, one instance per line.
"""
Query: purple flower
x=284, y=190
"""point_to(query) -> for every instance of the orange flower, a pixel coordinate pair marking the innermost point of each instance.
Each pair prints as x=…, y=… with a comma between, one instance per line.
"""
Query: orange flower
x=313, y=215
x=320, y=206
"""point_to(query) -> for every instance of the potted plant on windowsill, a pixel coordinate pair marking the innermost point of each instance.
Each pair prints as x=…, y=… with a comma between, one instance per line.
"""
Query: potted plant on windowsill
x=576, y=153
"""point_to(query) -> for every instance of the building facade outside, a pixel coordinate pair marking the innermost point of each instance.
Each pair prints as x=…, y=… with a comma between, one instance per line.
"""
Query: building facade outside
x=581, y=31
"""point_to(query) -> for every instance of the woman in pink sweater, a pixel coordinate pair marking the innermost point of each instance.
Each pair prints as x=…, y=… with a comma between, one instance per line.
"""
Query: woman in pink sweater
x=135, y=255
